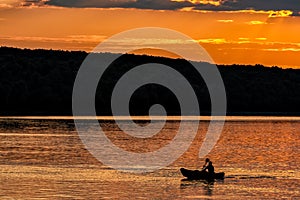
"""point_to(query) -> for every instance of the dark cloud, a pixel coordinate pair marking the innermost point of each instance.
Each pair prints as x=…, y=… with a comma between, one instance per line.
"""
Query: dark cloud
x=225, y=5
x=266, y=5
x=141, y=4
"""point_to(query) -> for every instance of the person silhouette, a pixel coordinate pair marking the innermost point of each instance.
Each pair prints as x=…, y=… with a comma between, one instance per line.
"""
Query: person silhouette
x=210, y=168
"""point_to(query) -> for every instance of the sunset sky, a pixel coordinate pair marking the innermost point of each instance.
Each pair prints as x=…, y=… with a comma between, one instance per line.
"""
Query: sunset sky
x=232, y=31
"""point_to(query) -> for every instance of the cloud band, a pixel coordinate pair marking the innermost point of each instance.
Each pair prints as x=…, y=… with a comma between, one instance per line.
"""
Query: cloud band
x=212, y=5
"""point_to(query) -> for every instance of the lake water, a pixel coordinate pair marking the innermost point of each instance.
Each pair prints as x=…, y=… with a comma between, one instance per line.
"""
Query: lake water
x=44, y=158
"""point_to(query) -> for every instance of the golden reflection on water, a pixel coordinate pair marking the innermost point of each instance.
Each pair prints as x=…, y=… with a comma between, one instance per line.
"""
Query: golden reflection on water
x=43, y=158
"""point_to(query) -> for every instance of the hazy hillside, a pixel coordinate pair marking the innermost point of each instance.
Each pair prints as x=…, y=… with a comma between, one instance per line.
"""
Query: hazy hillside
x=40, y=82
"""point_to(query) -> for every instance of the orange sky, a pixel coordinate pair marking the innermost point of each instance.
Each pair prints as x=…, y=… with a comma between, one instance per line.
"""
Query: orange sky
x=242, y=37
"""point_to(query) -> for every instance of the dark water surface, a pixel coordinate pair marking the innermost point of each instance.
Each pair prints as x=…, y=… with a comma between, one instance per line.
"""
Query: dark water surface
x=44, y=158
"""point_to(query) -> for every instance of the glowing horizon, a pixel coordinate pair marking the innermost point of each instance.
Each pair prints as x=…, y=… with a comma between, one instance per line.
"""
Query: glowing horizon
x=267, y=37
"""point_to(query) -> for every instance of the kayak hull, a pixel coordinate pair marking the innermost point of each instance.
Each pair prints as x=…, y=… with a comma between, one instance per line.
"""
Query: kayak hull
x=201, y=175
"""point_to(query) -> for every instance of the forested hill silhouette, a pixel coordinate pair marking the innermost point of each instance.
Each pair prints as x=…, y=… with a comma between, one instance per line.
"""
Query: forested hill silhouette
x=40, y=82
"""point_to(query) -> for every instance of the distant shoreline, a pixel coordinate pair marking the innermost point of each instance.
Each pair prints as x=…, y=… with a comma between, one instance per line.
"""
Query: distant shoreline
x=147, y=119
x=246, y=114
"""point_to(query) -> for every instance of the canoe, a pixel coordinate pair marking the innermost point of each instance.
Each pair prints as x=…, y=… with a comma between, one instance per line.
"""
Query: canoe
x=200, y=175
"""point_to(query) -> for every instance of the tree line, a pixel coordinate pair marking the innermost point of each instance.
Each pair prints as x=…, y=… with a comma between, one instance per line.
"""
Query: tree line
x=40, y=82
